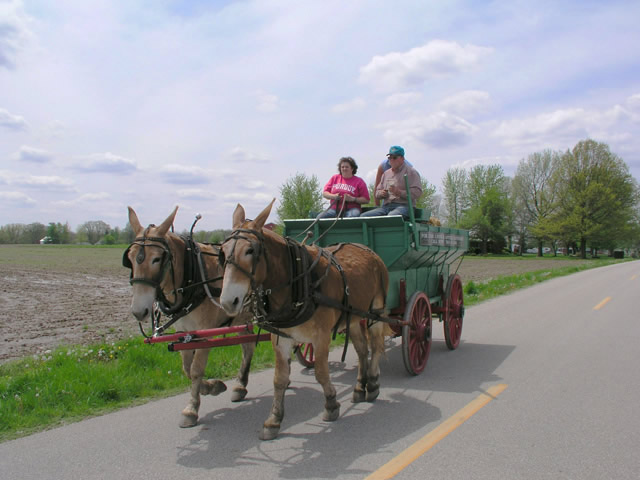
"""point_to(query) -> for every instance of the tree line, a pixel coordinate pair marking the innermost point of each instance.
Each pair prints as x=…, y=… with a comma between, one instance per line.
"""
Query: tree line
x=582, y=199
x=92, y=232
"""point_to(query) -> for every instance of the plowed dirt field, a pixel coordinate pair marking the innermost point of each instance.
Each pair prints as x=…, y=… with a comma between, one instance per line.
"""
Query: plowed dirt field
x=53, y=295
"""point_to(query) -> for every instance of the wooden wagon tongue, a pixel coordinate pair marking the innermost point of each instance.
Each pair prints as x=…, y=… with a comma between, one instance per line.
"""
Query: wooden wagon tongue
x=204, y=338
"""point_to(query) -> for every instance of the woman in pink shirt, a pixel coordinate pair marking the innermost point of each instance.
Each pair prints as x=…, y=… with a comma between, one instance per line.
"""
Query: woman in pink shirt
x=345, y=188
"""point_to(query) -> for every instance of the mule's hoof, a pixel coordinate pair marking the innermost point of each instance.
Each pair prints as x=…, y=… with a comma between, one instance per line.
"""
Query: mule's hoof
x=238, y=394
x=188, y=421
x=212, y=387
x=372, y=395
x=331, y=415
x=269, y=433
x=358, y=396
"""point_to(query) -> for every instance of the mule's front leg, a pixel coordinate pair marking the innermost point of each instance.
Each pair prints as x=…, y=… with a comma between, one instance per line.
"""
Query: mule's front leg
x=239, y=390
x=194, y=363
x=282, y=348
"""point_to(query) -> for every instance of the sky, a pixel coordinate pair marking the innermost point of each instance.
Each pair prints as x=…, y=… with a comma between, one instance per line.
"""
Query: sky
x=207, y=104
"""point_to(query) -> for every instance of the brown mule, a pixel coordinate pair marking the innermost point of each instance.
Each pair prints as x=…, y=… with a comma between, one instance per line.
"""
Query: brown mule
x=157, y=262
x=260, y=270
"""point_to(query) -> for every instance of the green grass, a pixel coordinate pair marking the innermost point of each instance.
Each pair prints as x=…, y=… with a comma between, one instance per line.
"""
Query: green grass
x=475, y=293
x=71, y=383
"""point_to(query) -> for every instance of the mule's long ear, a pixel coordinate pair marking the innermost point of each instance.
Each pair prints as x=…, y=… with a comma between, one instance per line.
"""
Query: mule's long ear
x=164, y=226
x=264, y=214
x=134, y=222
x=238, y=217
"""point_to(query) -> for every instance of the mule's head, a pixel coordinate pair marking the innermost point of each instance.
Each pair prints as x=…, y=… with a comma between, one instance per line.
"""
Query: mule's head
x=150, y=259
x=245, y=263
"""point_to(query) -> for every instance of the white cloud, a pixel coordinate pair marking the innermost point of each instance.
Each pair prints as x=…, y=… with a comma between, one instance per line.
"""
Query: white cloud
x=238, y=154
x=267, y=102
x=634, y=102
x=562, y=127
x=436, y=59
x=34, y=155
x=10, y=121
x=107, y=163
x=440, y=130
x=255, y=184
x=248, y=197
x=85, y=200
x=402, y=99
x=196, y=194
x=468, y=102
x=17, y=198
x=350, y=106
x=43, y=182
x=14, y=31
x=183, y=174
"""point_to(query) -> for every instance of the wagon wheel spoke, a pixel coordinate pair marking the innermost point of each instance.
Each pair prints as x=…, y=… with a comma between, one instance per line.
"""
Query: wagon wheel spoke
x=305, y=355
x=454, y=312
x=416, y=334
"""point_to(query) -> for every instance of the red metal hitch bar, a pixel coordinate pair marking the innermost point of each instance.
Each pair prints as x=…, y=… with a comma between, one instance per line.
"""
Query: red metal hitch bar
x=201, y=338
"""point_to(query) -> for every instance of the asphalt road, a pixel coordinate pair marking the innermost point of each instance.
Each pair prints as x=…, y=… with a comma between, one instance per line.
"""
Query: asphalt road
x=565, y=353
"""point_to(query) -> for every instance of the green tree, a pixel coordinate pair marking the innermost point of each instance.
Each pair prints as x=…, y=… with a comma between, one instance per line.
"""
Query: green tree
x=94, y=230
x=426, y=201
x=487, y=217
x=59, y=233
x=34, y=232
x=455, y=195
x=597, y=195
x=534, y=195
x=12, y=233
x=299, y=196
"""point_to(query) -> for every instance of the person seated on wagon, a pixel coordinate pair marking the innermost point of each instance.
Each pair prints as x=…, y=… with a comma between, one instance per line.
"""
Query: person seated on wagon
x=383, y=167
x=345, y=187
x=391, y=189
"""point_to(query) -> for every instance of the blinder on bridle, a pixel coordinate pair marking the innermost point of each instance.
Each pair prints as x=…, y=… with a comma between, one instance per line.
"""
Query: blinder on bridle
x=256, y=247
x=141, y=255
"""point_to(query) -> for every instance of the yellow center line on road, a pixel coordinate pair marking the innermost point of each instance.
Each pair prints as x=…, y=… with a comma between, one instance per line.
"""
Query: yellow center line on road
x=602, y=303
x=633, y=277
x=408, y=456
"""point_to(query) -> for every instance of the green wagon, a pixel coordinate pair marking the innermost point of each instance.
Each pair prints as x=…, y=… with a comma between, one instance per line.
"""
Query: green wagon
x=422, y=282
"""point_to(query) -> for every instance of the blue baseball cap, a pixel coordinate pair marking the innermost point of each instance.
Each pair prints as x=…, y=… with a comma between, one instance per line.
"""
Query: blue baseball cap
x=396, y=150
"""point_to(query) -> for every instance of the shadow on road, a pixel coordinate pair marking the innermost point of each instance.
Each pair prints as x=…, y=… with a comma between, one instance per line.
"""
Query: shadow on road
x=316, y=446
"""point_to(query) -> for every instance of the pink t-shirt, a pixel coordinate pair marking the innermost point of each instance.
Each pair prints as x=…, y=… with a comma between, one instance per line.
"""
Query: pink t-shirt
x=353, y=186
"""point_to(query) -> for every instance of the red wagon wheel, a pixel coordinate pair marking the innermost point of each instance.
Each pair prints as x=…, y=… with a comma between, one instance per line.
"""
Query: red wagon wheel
x=453, y=312
x=304, y=354
x=416, y=335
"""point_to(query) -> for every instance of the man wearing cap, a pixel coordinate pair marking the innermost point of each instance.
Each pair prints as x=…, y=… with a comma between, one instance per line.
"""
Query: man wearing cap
x=391, y=189
x=383, y=167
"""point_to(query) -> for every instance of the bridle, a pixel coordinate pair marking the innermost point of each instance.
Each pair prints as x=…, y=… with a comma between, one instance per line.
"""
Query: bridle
x=257, y=250
x=167, y=259
x=194, y=276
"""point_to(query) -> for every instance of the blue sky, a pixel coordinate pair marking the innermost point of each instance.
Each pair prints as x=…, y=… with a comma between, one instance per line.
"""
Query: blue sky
x=208, y=104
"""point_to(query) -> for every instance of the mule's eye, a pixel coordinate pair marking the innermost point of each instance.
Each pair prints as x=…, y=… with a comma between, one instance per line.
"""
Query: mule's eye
x=156, y=260
x=250, y=251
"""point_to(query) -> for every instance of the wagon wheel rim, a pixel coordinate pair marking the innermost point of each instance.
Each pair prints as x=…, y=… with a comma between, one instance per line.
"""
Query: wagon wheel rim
x=454, y=312
x=305, y=355
x=416, y=333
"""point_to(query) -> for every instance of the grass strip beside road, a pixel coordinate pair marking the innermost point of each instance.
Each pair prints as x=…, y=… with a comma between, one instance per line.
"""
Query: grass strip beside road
x=72, y=383
x=475, y=293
